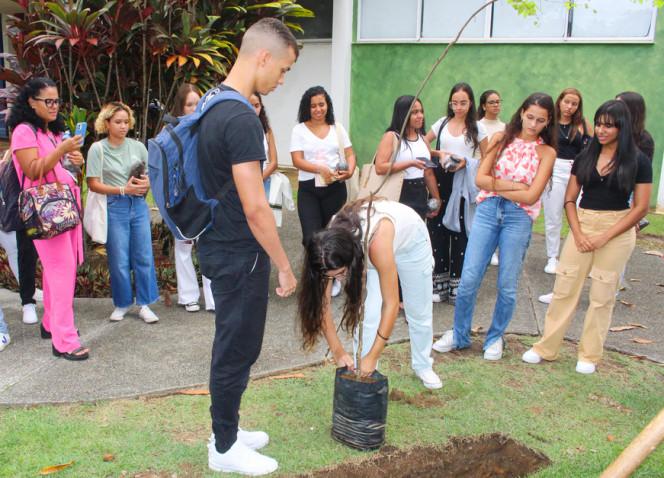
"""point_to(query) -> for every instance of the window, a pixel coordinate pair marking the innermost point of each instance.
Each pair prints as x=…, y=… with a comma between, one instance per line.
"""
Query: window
x=439, y=20
x=320, y=26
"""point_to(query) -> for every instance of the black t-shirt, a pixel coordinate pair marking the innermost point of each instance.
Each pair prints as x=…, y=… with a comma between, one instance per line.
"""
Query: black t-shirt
x=568, y=147
x=602, y=194
x=230, y=133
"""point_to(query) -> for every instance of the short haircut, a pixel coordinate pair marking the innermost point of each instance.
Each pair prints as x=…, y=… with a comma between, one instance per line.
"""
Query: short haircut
x=268, y=33
x=107, y=113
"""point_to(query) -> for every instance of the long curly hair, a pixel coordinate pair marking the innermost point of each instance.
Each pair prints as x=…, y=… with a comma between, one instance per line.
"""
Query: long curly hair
x=340, y=245
x=304, y=111
x=22, y=112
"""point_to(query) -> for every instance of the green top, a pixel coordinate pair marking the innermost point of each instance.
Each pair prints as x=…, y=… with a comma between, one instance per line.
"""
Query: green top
x=118, y=162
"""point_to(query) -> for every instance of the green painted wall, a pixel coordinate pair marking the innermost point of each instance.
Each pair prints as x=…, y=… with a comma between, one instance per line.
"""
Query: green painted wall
x=382, y=72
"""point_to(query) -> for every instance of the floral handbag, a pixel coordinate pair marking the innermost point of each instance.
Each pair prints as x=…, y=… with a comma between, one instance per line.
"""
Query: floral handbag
x=48, y=209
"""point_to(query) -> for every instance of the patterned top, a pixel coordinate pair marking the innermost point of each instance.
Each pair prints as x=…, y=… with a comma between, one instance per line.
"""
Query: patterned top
x=518, y=162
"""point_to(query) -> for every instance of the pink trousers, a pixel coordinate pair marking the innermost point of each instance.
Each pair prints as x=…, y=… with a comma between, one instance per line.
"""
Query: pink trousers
x=59, y=257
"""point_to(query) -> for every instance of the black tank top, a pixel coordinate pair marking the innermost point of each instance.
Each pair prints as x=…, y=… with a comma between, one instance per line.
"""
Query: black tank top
x=569, y=147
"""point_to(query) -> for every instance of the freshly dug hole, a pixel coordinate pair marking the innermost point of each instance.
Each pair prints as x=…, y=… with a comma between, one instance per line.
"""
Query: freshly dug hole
x=486, y=456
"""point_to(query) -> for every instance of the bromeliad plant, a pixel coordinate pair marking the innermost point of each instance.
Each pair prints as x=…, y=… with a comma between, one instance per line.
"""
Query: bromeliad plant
x=135, y=51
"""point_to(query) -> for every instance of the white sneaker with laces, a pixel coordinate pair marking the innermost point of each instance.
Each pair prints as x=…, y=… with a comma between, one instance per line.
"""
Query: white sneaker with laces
x=436, y=297
x=551, y=264
x=39, y=295
x=494, y=351
x=147, y=315
x=494, y=259
x=585, y=367
x=546, y=298
x=30, y=314
x=192, y=307
x=430, y=379
x=241, y=459
x=336, y=288
x=530, y=356
x=118, y=313
x=4, y=341
x=445, y=343
x=254, y=440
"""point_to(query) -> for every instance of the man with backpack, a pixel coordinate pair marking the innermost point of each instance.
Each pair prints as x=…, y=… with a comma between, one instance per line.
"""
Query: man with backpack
x=235, y=252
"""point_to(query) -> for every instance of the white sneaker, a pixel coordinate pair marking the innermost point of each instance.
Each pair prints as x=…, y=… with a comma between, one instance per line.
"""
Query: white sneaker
x=494, y=259
x=336, y=288
x=192, y=307
x=39, y=295
x=546, y=298
x=494, y=351
x=445, y=343
x=551, y=264
x=118, y=314
x=30, y=314
x=430, y=379
x=4, y=341
x=254, y=440
x=147, y=315
x=241, y=459
x=585, y=367
x=530, y=356
x=436, y=297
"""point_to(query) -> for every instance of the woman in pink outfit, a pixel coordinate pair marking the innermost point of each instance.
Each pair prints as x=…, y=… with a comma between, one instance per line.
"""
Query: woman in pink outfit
x=37, y=144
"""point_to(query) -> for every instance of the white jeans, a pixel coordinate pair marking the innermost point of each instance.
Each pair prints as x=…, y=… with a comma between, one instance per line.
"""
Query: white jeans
x=553, y=200
x=188, y=289
x=414, y=265
x=8, y=243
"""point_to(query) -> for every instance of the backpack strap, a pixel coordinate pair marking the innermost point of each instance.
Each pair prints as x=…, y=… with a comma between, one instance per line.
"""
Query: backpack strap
x=440, y=131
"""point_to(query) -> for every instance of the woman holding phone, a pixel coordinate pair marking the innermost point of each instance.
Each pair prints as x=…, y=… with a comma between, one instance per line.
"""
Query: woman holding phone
x=121, y=162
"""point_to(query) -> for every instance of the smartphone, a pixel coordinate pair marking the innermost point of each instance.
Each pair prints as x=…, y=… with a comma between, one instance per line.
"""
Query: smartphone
x=81, y=129
x=643, y=223
x=427, y=162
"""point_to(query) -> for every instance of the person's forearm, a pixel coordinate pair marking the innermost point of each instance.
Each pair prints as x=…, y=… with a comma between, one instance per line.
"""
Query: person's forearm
x=264, y=228
x=626, y=222
x=101, y=188
x=572, y=217
x=383, y=167
x=500, y=186
x=431, y=183
x=304, y=165
x=388, y=316
x=329, y=330
x=271, y=168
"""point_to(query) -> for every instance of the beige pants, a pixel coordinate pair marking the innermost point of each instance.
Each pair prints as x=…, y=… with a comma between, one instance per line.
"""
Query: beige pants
x=605, y=266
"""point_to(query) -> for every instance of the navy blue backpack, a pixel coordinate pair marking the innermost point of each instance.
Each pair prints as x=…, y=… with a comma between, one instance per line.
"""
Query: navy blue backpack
x=175, y=175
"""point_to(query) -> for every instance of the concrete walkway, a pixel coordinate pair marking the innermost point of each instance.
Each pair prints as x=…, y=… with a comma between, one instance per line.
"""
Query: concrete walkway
x=131, y=358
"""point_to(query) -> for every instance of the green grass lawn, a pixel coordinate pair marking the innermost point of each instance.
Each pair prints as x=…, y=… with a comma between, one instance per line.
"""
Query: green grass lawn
x=580, y=422
x=656, y=227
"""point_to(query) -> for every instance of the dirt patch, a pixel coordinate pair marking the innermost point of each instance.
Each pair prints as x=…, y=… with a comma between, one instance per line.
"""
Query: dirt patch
x=421, y=400
x=486, y=456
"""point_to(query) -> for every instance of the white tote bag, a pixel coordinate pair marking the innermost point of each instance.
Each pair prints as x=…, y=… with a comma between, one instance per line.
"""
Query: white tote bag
x=95, y=216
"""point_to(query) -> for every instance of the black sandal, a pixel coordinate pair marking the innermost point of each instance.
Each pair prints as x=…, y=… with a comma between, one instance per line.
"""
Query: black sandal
x=71, y=355
x=45, y=334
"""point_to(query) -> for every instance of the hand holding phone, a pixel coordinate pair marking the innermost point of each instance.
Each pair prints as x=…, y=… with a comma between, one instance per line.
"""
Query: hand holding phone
x=428, y=163
x=81, y=129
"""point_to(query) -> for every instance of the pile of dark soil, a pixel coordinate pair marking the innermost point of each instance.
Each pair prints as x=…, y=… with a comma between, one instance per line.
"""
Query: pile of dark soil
x=486, y=456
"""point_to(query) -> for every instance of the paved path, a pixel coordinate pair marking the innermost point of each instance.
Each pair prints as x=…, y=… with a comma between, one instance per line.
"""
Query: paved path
x=131, y=358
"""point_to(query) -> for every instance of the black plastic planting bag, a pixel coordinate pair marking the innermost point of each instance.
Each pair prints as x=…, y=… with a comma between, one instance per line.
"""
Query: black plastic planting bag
x=359, y=410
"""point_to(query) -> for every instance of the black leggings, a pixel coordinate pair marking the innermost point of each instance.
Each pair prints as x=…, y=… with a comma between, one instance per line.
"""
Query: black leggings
x=316, y=206
x=27, y=265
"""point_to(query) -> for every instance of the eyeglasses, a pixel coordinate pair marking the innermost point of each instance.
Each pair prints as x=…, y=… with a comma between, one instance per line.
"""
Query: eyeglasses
x=461, y=104
x=49, y=102
x=493, y=102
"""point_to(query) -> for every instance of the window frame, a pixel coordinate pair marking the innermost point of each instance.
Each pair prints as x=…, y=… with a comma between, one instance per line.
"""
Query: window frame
x=488, y=39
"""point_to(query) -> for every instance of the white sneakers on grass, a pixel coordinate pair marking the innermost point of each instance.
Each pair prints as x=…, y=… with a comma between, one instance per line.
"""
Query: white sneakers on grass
x=144, y=313
x=444, y=343
x=30, y=314
x=494, y=351
x=242, y=457
x=530, y=356
x=430, y=379
x=551, y=264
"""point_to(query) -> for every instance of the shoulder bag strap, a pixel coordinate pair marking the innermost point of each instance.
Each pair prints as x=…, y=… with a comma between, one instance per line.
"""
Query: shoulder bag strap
x=440, y=131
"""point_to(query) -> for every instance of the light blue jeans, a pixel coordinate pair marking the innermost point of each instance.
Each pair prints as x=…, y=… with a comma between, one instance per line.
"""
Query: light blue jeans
x=129, y=248
x=3, y=325
x=414, y=266
x=498, y=222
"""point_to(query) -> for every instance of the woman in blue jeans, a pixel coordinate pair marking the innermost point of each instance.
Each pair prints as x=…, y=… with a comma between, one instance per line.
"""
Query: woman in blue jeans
x=511, y=179
x=398, y=243
x=116, y=167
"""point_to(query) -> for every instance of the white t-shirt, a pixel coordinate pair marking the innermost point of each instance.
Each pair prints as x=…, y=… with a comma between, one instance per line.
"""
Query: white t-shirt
x=409, y=150
x=458, y=144
x=317, y=149
x=492, y=126
x=407, y=223
x=267, y=151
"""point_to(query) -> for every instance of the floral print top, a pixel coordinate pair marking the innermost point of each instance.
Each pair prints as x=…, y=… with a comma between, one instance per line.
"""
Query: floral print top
x=518, y=162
